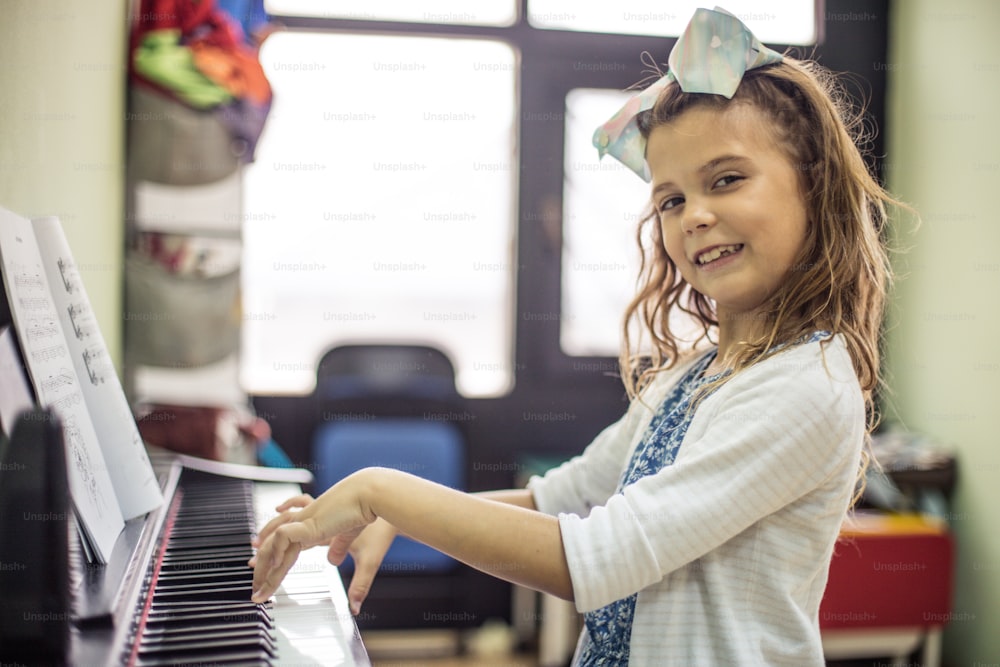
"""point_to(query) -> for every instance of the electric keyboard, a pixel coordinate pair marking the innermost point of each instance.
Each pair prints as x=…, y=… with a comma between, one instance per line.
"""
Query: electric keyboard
x=181, y=595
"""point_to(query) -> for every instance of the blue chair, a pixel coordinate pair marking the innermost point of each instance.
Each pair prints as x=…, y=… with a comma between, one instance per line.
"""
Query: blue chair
x=432, y=450
x=389, y=406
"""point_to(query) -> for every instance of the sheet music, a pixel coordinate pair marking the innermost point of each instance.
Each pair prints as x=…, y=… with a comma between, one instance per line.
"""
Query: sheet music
x=131, y=473
x=50, y=368
x=15, y=395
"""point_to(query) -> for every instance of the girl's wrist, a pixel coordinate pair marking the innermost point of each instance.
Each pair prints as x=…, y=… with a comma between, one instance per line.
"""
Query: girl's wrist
x=370, y=489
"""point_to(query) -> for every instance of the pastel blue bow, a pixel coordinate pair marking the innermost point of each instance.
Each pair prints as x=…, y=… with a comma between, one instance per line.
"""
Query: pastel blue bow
x=711, y=56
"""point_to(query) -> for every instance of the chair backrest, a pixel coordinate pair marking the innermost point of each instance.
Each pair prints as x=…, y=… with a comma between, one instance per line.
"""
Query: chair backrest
x=373, y=371
x=381, y=407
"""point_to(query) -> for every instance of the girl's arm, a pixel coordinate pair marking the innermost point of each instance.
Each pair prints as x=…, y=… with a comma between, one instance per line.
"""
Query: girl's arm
x=518, y=497
x=496, y=533
x=369, y=549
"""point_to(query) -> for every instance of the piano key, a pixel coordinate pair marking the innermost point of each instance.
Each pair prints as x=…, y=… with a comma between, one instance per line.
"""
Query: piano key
x=198, y=637
x=200, y=611
x=232, y=658
x=184, y=626
x=208, y=615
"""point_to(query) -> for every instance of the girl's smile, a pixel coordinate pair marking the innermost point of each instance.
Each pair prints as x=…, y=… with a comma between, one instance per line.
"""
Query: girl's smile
x=717, y=256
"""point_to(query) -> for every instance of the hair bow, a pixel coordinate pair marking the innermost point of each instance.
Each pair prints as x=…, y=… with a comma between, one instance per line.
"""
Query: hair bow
x=711, y=56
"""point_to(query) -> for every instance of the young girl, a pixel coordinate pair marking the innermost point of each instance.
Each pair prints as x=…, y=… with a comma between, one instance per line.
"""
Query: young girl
x=698, y=529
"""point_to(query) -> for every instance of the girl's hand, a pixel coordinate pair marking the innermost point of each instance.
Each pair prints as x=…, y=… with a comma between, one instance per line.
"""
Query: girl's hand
x=338, y=515
x=368, y=550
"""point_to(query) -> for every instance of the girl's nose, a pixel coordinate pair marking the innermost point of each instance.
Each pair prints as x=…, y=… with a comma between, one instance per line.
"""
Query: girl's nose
x=697, y=217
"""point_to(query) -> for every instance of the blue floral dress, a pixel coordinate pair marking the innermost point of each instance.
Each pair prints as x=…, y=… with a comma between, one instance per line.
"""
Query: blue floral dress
x=608, y=630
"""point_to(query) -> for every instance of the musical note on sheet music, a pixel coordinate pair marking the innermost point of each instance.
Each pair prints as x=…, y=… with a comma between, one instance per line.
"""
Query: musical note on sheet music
x=67, y=270
x=87, y=469
x=33, y=303
x=26, y=280
x=45, y=355
x=39, y=328
x=81, y=320
x=64, y=378
x=96, y=362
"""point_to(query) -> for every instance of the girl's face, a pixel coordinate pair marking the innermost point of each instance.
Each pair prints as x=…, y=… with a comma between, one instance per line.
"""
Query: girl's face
x=729, y=205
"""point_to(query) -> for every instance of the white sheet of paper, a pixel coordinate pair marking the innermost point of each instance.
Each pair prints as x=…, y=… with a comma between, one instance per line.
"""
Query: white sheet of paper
x=15, y=394
x=56, y=385
x=132, y=474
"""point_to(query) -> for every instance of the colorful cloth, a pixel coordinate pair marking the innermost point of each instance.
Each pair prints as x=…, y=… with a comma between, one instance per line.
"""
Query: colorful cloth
x=194, y=52
x=161, y=59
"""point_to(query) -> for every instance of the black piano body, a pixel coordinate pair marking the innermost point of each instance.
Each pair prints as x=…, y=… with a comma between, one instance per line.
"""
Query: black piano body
x=176, y=590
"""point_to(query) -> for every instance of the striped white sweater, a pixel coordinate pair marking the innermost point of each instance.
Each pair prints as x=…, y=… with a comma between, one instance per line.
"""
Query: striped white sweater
x=729, y=547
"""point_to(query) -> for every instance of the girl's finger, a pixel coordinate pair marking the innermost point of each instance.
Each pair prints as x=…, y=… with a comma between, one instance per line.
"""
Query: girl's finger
x=365, y=568
x=281, y=519
x=338, y=548
x=269, y=528
x=300, y=500
x=276, y=556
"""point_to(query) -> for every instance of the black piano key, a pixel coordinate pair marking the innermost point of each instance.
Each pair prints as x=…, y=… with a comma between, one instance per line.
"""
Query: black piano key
x=236, y=591
x=229, y=571
x=202, y=578
x=205, y=561
x=208, y=616
x=200, y=638
x=163, y=607
x=222, y=543
x=235, y=658
x=192, y=560
x=206, y=647
x=191, y=627
x=245, y=605
x=167, y=611
x=200, y=610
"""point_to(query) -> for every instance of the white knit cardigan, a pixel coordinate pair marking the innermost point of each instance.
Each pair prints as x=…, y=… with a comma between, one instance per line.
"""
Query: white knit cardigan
x=729, y=547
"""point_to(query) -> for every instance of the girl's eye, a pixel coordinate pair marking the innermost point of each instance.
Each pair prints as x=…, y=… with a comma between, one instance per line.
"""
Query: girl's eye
x=728, y=180
x=669, y=203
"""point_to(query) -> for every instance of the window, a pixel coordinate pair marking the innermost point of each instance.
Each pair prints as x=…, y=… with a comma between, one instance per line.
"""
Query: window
x=602, y=204
x=482, y=12
x=381, y=206
x=774, y=22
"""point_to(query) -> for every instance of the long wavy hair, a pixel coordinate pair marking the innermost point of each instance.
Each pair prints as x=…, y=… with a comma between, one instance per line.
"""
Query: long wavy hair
x=840, y=279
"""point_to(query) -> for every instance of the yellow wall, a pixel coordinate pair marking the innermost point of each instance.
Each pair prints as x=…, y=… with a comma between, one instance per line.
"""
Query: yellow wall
x=62, y=85
x=944, y=158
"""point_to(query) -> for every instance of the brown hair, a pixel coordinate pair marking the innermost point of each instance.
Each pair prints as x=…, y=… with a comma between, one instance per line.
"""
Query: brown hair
x=841, y=277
